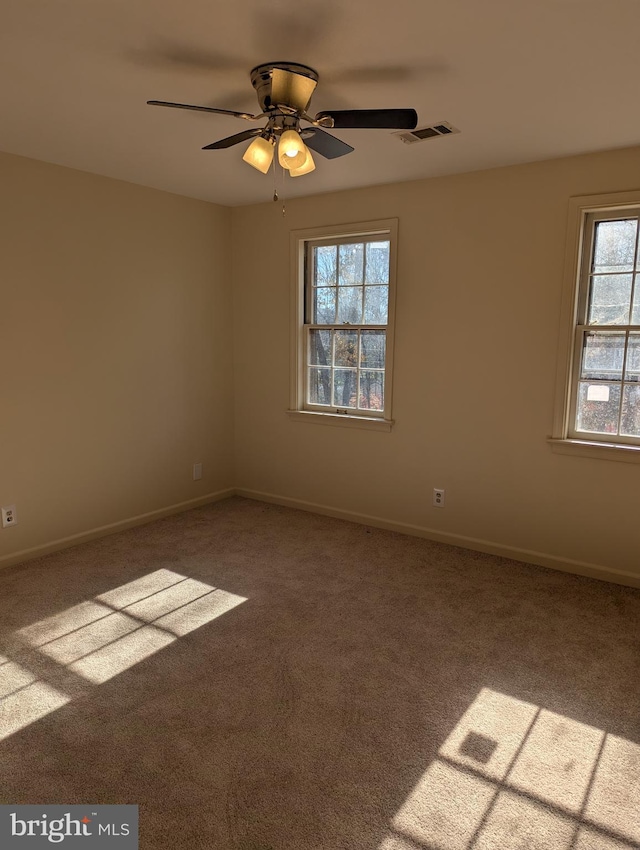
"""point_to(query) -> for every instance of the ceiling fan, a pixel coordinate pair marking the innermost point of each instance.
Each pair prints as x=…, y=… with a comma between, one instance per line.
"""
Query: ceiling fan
x=284, y=91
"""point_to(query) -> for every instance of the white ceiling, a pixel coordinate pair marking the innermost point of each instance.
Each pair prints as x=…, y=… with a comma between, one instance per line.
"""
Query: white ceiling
x=523, y=80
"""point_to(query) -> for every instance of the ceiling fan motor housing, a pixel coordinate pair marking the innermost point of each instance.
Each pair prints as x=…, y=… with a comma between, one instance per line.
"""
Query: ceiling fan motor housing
x=293, y=88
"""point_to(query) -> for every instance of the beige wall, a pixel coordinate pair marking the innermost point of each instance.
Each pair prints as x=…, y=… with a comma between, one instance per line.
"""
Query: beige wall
x=115, y=350
x=116, y=341
x=480, y=274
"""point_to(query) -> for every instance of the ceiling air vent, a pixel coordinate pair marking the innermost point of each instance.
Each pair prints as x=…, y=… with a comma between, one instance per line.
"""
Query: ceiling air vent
x=442, y=128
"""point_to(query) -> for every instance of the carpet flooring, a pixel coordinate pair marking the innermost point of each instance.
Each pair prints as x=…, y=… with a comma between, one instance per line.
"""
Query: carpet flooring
x=259, y=678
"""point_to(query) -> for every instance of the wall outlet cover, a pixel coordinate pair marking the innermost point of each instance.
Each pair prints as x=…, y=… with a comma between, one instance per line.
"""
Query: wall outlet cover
x=9, y=516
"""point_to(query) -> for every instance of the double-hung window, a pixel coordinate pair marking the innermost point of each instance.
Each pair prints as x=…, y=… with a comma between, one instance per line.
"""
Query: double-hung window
x=344, y=279
x=602, y=404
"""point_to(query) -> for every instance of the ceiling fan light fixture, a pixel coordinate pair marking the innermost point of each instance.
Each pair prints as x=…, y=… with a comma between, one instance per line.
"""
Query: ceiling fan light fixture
x=308, y=166
x=284, y=91
x=259, y=154
x=292, y=151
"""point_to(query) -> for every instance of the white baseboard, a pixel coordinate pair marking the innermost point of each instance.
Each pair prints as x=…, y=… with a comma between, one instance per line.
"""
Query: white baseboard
x=112, y=528
x=525, y=555
x=528, y=556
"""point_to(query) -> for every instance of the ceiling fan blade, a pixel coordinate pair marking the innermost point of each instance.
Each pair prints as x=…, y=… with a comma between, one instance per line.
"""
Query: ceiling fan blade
x=232, y=140
x=245, y=115
x=371, y=119
x=324, y=143
x=292, y=89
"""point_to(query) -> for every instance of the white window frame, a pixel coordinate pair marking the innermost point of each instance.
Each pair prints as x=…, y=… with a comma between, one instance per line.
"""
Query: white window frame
x=300, y=239
x=584, y=213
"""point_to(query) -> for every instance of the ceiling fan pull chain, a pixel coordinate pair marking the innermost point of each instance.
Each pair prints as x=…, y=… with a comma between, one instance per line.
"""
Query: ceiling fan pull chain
x=275, y=190
x=276, y=196
x=282, y=176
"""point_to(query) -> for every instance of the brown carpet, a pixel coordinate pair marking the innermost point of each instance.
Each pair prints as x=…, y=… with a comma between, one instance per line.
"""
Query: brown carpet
x=259, y=678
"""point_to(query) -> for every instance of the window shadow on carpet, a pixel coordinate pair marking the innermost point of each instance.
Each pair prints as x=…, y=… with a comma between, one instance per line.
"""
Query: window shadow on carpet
x=512, y=774
x=101, y=638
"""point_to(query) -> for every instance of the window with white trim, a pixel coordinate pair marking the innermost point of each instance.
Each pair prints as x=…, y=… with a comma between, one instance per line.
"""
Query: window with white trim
x=603, y=401
x=343, y=334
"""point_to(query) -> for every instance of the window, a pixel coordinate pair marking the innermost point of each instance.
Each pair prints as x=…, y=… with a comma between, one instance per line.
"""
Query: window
x=602, y=378
x=343, y=306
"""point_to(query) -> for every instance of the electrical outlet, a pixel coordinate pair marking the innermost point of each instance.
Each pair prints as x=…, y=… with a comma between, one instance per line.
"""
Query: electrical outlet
x=9, y=516
x=197, y=471
x=438, y=498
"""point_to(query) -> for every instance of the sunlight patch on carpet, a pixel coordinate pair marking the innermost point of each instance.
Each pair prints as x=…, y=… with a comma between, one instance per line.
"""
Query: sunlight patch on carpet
x=516, y=821
x=13, y=677
x=426, y=814
x=88, y=639
x=140, y=588
x=512, y=775
x=52, y=628
x=166, y=601
x=116, y=657
x=589, y=839
x=27, y=704
x=102, y=637
x=615, y=795
x=557, y=761
x=492, y=717
x=190, y=617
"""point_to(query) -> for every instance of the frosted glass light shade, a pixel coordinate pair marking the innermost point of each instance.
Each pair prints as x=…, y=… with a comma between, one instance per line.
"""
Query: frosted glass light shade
x=259, y=154
x=306, y=167
x=291, y=150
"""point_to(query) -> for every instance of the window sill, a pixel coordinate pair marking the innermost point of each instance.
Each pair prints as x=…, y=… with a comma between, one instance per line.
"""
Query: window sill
x=342, y=419
x=594, y=449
